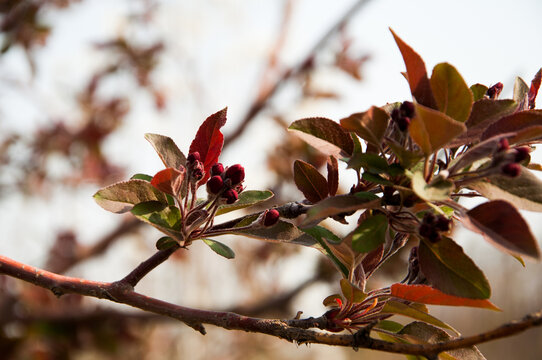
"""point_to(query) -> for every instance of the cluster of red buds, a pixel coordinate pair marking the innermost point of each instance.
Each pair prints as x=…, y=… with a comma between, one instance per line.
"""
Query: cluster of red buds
x=403, y=115
x=509, y=159
x=226, y=183
x=432, y=226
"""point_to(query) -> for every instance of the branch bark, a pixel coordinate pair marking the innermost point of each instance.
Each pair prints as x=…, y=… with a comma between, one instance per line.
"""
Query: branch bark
x=295, y=330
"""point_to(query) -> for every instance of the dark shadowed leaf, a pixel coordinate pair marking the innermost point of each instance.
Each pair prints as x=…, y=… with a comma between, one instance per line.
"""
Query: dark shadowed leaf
x=527, y=134
x=425, y=294
x=370, y=233
x=451, y=93
x=165, y=243
x=246, y=198
x=414, y=311
x=502, y=224
x=280, y=232
x=332, y=175
x=448, y=269
x=370, y=125
x=437, y=191
x=309, y=181
x=482, y=150
x=340, y=204
x=524, y=191
x=168, y=151
x=372, y=260
x=122, y=196
x=533, y=90
x=325, y=135
x=478, y=91
x=513, y=123
x=209, y=141
x=521, y=94
x=169, y=180
x=406, y=158
x=369, y=162
x=219, y=248
x=432, y=129
x=420, y=87
x=325, y=239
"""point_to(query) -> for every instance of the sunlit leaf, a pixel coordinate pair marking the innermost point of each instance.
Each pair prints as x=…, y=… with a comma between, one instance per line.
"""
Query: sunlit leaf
x=370, y=125
x=246, y=198
x=165, y=218
x=220, y=248
x=451, y=93
x=370, y=233
x=309, y=181
x=437, y=191
x=420, y=87
x=325, y=135
x=209, y=141
x=502, y=224
x=141, y=177
x=340, y=204
x=432, y=129
x=450, y=270
x=414, y=311
x=524, y=191
x=478, y=91
x=122, y=196
x=479, y=151
x=169, y=180
x=425, y=294
x=168, y=151
x=351, y=292
x=521, y=94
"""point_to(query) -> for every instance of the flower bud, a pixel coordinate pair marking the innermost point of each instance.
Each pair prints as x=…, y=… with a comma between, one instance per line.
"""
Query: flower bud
x=511, y=169
x=522, y=153
x=271, y=217
x=503, y=145
x=403, y=123
x=193, y=157
x=215, y=185
x=442, y=223
x=231, y=196
x=236, y=174
x=217, y=169
x=494, y=91
x=197, y=170
x=407, y=109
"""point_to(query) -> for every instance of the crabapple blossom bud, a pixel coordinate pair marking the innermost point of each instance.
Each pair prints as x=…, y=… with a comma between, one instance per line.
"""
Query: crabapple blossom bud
x=494, y=91
x=215, y=184
x=236, y=173
x=511, y=169
x=193, y=157
x=271, y=217
x=407, y=109
x=231, y=196
x=503, y=145
x=522, y=153
x=217, y=169
x=442, y=223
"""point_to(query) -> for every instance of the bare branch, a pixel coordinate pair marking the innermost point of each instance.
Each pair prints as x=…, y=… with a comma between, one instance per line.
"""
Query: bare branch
x=134, y=277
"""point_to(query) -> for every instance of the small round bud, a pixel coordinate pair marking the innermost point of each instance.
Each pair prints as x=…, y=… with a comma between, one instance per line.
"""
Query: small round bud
x=193, y=157
x=522, y=153
x=429, y=232
x=236, y=173
x=429, y=218
x=215, y=184
x=407, y=109
x=395, y=115
x=271, y=217
x=217, y=169
x=403, y=123
x=442, y=223
x=512, y=169
x=231, y=196
x=494, y=91
x=503, y=145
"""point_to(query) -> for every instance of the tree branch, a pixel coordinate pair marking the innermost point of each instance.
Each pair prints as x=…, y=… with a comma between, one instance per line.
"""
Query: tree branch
x=263, y=98
x=147, y=266
x=292, y=330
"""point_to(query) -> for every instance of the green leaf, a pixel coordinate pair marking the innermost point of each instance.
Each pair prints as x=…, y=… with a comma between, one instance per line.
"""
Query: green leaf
x=432, y=129
x=437, y=191
x=451, y=93
x=370, y=125
x=414, y=311
x=310, y=182
x=370, y=162
x=122, y=196
x=450, y=270
x=406, y=158
x=141, y=177
x=280, y=232
x=521, y=94
x=165, y=218
x=319, y=232
x=323, y=236
x=165, y=243
x=220, y=248
x=377, y=179
x=420, y=87
x=370, y=233
x=340, y=204
x=478, y=91
x=246, y=198
x=168, y=152
x=351, y=292
x=502, y=224
x=325, y=135
x=524, y=191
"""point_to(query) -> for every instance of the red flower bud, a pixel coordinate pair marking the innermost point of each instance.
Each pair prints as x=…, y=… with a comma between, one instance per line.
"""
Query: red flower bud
x=271, y=217
x=217, y=169
x=511, y=169
x=403, y=123
x=215, y=185
x=236, y=174
x=442, y=223
x=522, y=153
x=494, y=91
x=407, y=109
x=193, y=157
x=231, y=196
x=503, y=144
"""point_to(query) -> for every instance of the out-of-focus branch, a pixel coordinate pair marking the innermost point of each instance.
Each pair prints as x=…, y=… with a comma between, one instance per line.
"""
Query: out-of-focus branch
x=268, y=91
x=296, y=330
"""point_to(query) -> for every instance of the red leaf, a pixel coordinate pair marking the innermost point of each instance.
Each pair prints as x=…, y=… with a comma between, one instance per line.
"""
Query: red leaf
x=502, y=224
x=310, y=182
x=513, y=123
x=420, y=87
x=332, y=175
x=427, y=295
x=533, y=91
x=169, y=180
x=209, y=141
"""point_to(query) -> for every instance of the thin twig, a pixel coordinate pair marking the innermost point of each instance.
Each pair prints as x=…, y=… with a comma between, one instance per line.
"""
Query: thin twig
x=135, y=276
